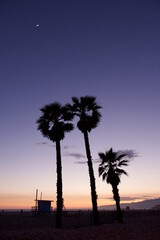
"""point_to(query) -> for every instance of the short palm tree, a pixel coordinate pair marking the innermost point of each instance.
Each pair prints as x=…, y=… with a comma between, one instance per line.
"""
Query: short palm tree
x=87, y=110
x=53, y=124
x=110, y=170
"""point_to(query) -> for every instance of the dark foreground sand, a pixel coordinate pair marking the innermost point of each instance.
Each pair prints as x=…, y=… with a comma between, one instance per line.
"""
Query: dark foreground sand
x=139, y=227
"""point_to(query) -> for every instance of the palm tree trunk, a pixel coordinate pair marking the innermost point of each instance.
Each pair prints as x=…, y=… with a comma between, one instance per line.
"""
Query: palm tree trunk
x=59, y=187
x=92, y=181
x=117, y=199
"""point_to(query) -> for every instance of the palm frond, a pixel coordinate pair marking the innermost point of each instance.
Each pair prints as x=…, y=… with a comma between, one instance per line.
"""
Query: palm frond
x=101, y=170
x=68, y=127
x=43, y=126
x=76, y=107
x=111, y=155
x=109, y=167
x=104, y=176
x=52, y=123
x=123, y=163
x=87, y=110
x=119, y=157
x=121, y=171
x=75, y=100
x=102, y=157
x=67, y=113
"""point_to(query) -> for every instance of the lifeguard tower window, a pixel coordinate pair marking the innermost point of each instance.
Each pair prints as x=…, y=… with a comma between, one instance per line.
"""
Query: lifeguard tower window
x=44, y=206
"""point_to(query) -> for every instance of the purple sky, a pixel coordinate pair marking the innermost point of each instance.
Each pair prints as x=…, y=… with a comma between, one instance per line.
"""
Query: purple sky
x=108, y=49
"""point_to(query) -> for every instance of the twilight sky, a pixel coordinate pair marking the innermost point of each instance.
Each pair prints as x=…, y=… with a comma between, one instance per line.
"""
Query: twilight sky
x=51, y=50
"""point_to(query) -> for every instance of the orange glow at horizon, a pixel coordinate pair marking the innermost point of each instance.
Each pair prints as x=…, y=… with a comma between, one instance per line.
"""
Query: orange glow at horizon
x=70, y=201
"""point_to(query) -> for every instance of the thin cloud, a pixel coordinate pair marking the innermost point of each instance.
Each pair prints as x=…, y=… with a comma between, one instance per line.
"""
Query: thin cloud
x=75, y=155
x=45, y=143
x=78, y=156
x=84, y=162
x=96, y=160
x=42, y=143
x=80, y=162
x=130, y=153
x=52, y=145
x=67, y=147
x=147, y=197
x=128, y=198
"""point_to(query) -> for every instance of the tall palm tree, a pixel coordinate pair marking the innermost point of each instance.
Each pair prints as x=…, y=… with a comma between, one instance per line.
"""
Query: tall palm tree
x=87, y=110
x=53, y=124
x=110, y=171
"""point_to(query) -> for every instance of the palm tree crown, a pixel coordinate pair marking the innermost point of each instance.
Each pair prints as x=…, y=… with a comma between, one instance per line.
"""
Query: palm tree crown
x=52, y=122
x=87, y=110
x=110, y=167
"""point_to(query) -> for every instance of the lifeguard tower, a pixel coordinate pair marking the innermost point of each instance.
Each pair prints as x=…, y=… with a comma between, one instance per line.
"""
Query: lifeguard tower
x=42, y=206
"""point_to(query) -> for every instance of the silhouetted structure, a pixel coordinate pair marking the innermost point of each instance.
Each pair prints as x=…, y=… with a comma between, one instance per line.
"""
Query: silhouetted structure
x=42, y=206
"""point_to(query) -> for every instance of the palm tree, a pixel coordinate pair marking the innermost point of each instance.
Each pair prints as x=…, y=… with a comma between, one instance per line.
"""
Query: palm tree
x=110, y=171
x=53, y=124
x=86, y=109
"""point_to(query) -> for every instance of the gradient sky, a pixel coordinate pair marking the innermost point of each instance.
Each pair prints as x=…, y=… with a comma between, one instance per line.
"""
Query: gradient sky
x=51, y=50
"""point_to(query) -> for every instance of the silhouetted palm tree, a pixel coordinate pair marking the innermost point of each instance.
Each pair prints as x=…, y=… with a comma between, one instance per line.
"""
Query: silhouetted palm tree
x=53, y=125
x=86, y=109
x=110, y=171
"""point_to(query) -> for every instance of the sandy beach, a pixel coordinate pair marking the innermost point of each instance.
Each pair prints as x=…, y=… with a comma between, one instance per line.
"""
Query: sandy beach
x=135, y=227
